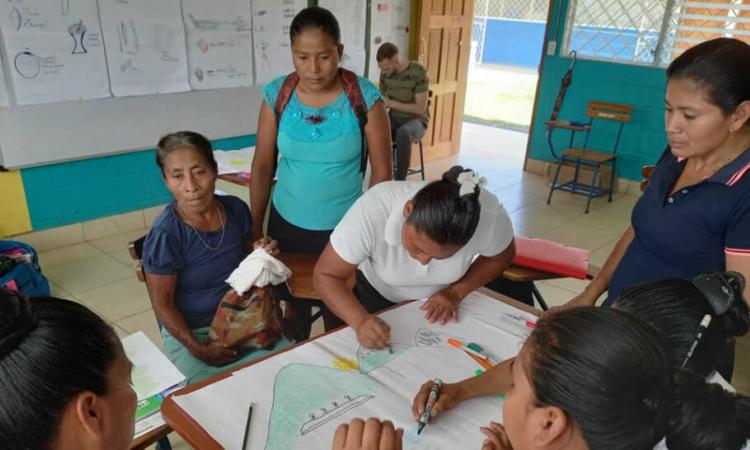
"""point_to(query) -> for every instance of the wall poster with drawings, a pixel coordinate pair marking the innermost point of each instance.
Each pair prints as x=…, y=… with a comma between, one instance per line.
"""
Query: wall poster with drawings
x=145, y=42
x=352, y=18
x=53, y=50
x=273, y=50
x=389, y=23
x=219, y=43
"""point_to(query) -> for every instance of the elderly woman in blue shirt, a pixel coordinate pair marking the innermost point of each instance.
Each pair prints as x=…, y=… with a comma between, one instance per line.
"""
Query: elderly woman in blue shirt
x=694, y=217
x=193, y=246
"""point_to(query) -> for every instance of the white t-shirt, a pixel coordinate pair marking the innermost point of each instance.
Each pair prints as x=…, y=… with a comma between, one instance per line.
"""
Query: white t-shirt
x=369, y=236
x=714, y=378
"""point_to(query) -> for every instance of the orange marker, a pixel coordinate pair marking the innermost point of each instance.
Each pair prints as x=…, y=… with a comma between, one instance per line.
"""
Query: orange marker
x=457, y=344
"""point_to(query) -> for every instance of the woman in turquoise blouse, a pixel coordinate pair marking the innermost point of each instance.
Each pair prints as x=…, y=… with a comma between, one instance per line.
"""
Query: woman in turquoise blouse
x=318, y=140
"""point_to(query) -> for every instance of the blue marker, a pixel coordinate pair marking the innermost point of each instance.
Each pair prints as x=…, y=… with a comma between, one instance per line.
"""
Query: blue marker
x=437, y=384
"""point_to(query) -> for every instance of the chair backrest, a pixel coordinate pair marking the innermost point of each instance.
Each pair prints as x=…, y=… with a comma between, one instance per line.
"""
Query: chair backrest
x=609, y=111
x=136, y=252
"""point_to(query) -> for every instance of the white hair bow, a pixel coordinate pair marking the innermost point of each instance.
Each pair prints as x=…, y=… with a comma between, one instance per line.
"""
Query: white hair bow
x=468, y=181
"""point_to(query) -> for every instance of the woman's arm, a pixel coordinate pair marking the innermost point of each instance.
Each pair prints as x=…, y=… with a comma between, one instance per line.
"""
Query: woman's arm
x=264, y=167
x=494, y=381
x=378, y=135
x=600, y=283
x=329, y=277
x=741, y=264
x=444, y=304
x=161, y=289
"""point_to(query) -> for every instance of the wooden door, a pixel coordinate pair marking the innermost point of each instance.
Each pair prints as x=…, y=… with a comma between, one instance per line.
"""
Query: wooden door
x=444, y=41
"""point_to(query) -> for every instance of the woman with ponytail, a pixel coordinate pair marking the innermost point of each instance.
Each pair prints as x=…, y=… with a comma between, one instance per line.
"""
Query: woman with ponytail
x=64, y=378
x=674, y=307
x=602, y=379
x=411, y=240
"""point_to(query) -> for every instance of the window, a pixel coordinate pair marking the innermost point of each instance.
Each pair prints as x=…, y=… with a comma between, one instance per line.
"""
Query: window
x=651, y=31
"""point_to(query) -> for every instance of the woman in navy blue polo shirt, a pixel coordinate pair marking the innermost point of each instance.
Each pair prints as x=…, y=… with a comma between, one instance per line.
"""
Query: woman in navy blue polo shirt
x=694, y=217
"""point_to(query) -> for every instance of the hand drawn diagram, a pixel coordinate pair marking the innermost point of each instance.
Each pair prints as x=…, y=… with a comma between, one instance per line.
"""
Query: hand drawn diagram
x=15, y=17
x=128, y=37
x=239, y=23
x=77, y=31
x=27, y=64
x=306, y=397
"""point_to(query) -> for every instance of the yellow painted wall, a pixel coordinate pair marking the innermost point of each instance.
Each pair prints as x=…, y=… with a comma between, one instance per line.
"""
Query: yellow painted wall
x=14, y=214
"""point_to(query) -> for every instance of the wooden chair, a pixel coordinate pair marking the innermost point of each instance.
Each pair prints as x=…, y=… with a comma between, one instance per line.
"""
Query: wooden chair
x=585, y=156
x=301, y=287
x=159, y=436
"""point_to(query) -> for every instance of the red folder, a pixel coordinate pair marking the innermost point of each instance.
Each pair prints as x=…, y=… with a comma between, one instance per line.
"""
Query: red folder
x=549, y=256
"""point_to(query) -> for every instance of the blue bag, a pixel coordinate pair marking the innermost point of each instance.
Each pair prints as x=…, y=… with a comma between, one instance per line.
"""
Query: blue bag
x=25, y=277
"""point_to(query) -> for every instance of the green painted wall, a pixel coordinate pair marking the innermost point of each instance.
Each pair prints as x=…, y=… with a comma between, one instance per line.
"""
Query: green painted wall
x=643, y=139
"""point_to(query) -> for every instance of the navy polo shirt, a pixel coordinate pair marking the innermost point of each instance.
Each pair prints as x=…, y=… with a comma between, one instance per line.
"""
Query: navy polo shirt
x=690, y=231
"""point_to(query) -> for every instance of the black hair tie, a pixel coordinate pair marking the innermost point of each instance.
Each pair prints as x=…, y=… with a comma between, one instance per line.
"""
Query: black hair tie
x=720, y=289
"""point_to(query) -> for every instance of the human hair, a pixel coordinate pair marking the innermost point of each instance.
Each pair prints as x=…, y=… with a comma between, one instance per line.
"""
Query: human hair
x=675, y=307
x=386, y=51
x=443, y=215
x=315, y=18
x=50, y=350
x=614, y=376
x=179, y=139
x=720, y=66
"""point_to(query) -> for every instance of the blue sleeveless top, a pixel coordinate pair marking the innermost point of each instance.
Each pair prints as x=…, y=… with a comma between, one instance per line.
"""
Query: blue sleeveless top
x=318, y=172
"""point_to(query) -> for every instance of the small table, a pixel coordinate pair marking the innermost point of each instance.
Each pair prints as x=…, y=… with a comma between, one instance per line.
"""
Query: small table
x=196, y=436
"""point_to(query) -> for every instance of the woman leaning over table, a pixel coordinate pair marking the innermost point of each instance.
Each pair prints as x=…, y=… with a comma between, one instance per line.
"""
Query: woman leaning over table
x=193, y=246
x=694, y=217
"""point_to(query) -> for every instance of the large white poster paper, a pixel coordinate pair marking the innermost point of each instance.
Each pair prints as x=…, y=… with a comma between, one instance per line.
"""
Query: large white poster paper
x=301, y=396
x=219, y=43
x=54, y=50
x=273, y=52
x=389, y=23
x=145, y=42
x=352, y=18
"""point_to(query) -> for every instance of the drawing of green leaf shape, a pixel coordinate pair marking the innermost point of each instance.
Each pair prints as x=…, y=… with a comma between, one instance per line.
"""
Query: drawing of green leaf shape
x=370, y=359
x=307, y=396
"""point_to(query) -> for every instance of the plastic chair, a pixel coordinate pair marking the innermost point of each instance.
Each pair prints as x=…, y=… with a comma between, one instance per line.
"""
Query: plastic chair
x=584, y=156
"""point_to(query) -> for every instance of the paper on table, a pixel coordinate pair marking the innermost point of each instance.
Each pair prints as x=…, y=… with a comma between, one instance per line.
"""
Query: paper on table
x=331, y=380
x=219, y=43
x=153, y=373
x=273, y=52
x=147, y=424
x=233, y=161
x=55, y=50
x=146, y=51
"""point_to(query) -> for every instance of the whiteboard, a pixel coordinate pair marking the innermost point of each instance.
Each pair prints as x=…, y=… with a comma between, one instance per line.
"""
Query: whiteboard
x=38, y=134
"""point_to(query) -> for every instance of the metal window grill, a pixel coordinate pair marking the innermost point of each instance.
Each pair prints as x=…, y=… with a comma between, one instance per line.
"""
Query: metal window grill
x=484, y=10
x=651, y=31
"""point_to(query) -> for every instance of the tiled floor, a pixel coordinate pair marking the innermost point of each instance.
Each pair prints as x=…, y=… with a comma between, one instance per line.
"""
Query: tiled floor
x=100, y=274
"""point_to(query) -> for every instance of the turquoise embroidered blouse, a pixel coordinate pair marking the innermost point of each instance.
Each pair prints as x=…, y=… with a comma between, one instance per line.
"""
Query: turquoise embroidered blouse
x=318, y=171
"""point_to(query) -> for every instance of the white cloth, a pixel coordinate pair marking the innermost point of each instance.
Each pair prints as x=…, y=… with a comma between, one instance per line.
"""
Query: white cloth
x=369, y=236
x=258, y=269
